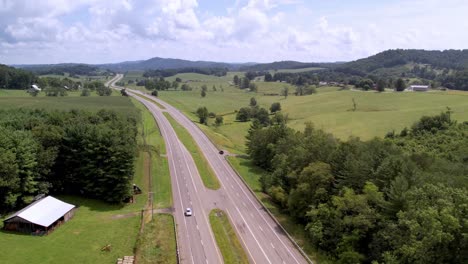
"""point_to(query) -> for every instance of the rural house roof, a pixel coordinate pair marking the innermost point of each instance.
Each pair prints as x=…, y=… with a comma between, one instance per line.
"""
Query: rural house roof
x=43, y=212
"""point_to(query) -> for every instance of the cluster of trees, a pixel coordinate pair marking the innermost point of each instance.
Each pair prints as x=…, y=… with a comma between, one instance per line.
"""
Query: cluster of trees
x=59, y=87
x=159, y=84
x=11, y=78
x=402, y=199
x=260, y=115
x=244, y=83
x=73, y=152
x=171, y=72
x=203, y=116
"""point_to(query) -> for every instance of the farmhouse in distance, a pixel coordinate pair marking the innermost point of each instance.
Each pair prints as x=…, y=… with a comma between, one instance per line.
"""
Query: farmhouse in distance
x=40, y=217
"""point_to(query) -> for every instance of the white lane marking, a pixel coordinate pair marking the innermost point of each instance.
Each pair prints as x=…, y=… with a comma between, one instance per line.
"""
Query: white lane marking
x=254, y=237
x=169, y=151
x=178, y=115
x=248, y=227
x=184, y=153
x=261, y=229
x=272, y=245
x=243, y=241
x=198, y=228
x=186, y=165
x=244, y=204
x=201, y=241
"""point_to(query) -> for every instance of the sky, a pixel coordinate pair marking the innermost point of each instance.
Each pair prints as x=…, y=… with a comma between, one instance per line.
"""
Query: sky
x=107, y=31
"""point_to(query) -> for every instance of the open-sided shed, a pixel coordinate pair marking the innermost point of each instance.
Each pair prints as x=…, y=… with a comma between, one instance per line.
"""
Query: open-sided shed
x=40, y=217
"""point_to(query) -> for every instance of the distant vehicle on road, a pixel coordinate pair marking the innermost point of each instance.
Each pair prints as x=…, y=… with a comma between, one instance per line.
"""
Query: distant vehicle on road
x=188, y=212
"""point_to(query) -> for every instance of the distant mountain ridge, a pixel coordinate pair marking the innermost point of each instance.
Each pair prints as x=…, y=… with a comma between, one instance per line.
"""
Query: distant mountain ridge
x=383, y=62
x=164, y=64
x=387, y=62
x=277, y=65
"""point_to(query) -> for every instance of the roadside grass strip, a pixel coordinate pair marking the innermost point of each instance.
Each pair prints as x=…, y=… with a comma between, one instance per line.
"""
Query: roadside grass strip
x=226, y=238
x=157, y=243
x=208, y=177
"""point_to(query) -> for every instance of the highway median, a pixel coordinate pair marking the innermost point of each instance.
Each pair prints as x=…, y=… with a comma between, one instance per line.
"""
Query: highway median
x=208, y=177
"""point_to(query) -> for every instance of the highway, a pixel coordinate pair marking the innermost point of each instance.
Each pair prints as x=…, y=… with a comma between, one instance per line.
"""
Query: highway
x=263, y=240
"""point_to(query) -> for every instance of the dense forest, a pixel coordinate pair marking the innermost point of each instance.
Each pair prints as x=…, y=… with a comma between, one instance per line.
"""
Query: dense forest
x=11, y=78
x=74, y=152
x=171, y=72
x=401, y=199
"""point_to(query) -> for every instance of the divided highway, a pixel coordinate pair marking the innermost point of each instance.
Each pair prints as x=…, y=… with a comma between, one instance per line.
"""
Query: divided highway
x=263, y=240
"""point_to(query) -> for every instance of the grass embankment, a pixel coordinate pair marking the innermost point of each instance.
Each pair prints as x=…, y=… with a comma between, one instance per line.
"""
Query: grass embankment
x=208, y=177
x=251, y=175
x=160, y=168
x=226, y=238
x=156, y=244
x=79, y=240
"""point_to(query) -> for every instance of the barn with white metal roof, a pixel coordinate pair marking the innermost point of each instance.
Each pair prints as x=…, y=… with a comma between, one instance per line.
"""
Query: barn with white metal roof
x=40, y=217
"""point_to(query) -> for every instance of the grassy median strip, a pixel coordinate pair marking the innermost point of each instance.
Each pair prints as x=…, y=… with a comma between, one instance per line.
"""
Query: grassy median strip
x=151, y=100
x=208, y=177
x=226, y=238
x=157, y=244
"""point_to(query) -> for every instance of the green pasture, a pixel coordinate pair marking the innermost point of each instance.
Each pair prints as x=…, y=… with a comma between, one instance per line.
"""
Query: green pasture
x=330, y=109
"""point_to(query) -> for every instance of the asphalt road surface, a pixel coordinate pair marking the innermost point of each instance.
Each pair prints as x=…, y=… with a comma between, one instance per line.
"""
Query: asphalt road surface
x=263, y=240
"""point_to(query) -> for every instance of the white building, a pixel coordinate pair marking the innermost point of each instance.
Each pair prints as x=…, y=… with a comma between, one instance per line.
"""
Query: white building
x=418, y=88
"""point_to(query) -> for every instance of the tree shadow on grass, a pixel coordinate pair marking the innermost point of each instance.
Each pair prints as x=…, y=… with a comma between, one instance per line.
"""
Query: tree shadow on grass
x=92, y=204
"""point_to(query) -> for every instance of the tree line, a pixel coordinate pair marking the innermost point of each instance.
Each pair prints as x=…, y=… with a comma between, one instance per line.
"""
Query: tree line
x=72, y=69
x=401, y=199
x=65, y=152
x=171, y=72
x=11, y=78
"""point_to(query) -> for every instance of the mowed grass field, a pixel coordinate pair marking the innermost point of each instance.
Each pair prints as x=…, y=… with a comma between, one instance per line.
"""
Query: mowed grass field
x=330, y=109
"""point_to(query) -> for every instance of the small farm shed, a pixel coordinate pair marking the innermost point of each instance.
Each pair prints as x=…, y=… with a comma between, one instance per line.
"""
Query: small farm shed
x=40, y=217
